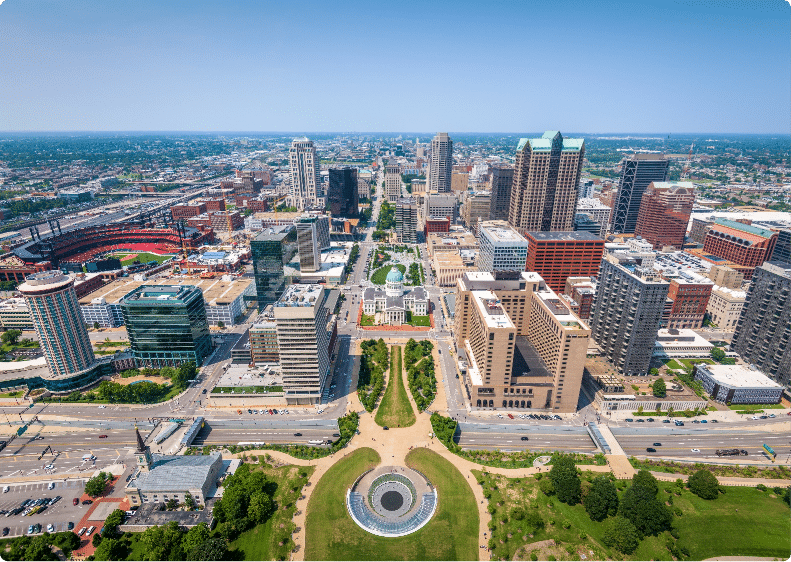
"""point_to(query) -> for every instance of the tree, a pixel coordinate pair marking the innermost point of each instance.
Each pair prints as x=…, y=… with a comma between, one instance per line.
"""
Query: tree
x=112, y=523
x=96, y=540
x=221, y=324
x=704, y=485
x=189, y=501
x=620, y=534
x=39, y=549
x=212, y=549
x=646, y=480
x=546, y=487
x=172, y=504
x=565, y=479
x=260, y=507
x=195, y=537
x=186, y=372
x=602, y=499
x=660, y=388
x=11, y=337
x=163, y=543
x=640, y=505
x=96, y=485
x=110, y=549
x=653, y=371
x=718, y=354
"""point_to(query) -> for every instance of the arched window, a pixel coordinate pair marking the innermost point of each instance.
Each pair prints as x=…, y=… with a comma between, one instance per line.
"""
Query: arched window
x=505, y=403
x=479, y=403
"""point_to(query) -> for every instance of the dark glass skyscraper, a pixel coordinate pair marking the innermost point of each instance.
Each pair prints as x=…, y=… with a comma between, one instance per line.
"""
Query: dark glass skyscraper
x=167, y=325
x=763, y=334
x=271, y=250
x=501, y=181
x=637, y=173
x=342, y=192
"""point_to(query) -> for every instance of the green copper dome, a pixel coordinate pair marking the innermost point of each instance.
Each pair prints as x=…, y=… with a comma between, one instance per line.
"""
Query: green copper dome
x=394, y=276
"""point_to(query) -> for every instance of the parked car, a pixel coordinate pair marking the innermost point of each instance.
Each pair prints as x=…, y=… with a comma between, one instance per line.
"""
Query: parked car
x=75, y=501
x=50, y=528
x=82, y=531
x=665, y=421
x=628, y=420
x=6, y=530
x=385, y=428
x=87, y=502
x=70, y=526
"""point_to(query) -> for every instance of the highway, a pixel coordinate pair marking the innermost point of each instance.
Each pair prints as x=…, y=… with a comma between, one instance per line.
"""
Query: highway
x=246, y=431
x=540, y=438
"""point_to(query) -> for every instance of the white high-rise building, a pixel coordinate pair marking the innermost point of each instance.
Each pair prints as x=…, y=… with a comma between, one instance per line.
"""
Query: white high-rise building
x=502, y=247
x=440, y=164
x=301, y=319
x=305, y=176
x=392, y=182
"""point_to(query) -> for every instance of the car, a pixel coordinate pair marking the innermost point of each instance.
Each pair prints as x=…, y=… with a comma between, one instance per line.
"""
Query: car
x=744, y=453
x=650, y=419
x=695, y=421
x=37, y=527
x=87, y=502
x=695, y=450
x=50, y=528
x=38, y=437
x=297, y=435
x=49, y=467
x=641, y=420
x=51, y=486
x=6, y=530
x=204, y=391
x=385, y=428
x=755, y=417
x=102, y=407
x=249, y=411
x=274, y=411
x=82, y=531
x=772, y=416
x=56, y=500
x=336, y=434
x=679, y=423
x=704, y=421
x=5, y=489
x=70, y=526
x=524, y=438
x=90, y=530
x=650, y=450
x=764, y=417
x=628, y=420
x=511, y=416
x=75, y=501
x=657, y=444
x=714, y=421
x=30, y=529
x=665, y=421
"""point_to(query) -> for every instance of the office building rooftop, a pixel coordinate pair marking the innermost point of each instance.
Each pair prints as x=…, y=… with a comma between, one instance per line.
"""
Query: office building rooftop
x=573, y=236
x=300, y=296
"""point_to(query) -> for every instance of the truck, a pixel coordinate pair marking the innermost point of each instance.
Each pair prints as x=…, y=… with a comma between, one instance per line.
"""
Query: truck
x=727, y=452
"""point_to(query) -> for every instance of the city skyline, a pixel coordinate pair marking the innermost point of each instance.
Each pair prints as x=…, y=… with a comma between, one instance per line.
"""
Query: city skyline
x=200, y=67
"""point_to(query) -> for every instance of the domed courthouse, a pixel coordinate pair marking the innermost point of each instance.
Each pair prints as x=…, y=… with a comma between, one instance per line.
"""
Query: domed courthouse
x=394, y=302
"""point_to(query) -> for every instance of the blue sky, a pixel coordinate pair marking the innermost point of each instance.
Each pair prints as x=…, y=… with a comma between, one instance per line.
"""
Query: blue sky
x=497, y=66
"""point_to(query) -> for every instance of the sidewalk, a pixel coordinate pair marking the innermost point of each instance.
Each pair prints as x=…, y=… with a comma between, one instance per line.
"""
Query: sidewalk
x=727, y=480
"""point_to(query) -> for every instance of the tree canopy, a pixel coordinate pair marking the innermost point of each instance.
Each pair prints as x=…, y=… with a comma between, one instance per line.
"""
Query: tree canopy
x=620, y=534
x=565, y=479
x=704, y=485
x=660, y=388
x=640, y=505
x=602, y=499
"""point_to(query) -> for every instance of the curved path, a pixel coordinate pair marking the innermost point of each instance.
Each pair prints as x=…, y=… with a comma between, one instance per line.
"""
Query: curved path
x=393, y=446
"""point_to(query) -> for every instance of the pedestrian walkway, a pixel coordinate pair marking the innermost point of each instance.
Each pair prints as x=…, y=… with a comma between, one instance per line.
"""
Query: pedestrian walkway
x=727, y=480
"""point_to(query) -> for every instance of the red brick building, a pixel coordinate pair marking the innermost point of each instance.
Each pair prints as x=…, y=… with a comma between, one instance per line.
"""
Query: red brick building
x=437, y=224
x=213, y=204
x=664, y=213
x=745, y=245
x=557, y=256
x=221, y=220
x=185, y=211
x=690, y=299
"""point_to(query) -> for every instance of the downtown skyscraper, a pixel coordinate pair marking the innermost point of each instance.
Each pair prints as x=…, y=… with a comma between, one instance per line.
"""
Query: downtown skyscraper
x=637, y=173
x=305, y=174
x=441, y=164
x=546, y=177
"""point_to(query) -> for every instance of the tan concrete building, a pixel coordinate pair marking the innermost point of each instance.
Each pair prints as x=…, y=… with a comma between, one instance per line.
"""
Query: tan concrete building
x=475, y=207
x=453, y=241
x=726, y=277
x=448, y=268
x=522, y=345
x=392, y=182
x=725, y=307
x=459, y=181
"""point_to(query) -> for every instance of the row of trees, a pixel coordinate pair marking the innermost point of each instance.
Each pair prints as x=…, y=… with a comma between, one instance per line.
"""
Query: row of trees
x=143, y=392
x=386, y=216
x=371, y=380
x=40, y=547
x=420, y=372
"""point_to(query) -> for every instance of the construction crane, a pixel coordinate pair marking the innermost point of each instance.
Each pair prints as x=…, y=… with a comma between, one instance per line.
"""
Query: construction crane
x=685, y=171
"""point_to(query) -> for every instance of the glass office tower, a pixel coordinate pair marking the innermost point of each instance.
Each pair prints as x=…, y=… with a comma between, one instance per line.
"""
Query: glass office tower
x=167, y=325
x=271, y=250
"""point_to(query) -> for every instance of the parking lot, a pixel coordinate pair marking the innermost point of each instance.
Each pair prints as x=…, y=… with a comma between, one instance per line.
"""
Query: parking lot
x=59, y=514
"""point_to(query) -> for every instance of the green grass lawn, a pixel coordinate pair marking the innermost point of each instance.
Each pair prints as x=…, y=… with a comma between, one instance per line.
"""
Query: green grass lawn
x=262, y=542
x=394, y=409
x=142, y=257
x=707, y=528
x=379, y=276
x=689, y=362
x=366, y=320
x=450, y=535
x=420, y=320
x=752, y=407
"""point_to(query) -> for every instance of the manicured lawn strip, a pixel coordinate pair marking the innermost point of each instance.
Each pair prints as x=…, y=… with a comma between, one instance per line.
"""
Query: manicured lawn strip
x=142, y=257
x=450, y=535
x=262, y=542
x=380, y=275
x=394, y=409
x=707, y=528
x=420, y=320
x=751, y=407
x=366, y=320
x=330, y=534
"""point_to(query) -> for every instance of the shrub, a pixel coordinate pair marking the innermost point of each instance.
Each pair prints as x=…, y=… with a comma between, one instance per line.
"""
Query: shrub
x=704, y=485
x=533, y=556
x=761, y=487
x=546, y=487
x=620, y=534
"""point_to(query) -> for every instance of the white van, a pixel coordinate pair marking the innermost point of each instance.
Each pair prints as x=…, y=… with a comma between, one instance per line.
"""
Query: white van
x=5, y=489
x=51, y=486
